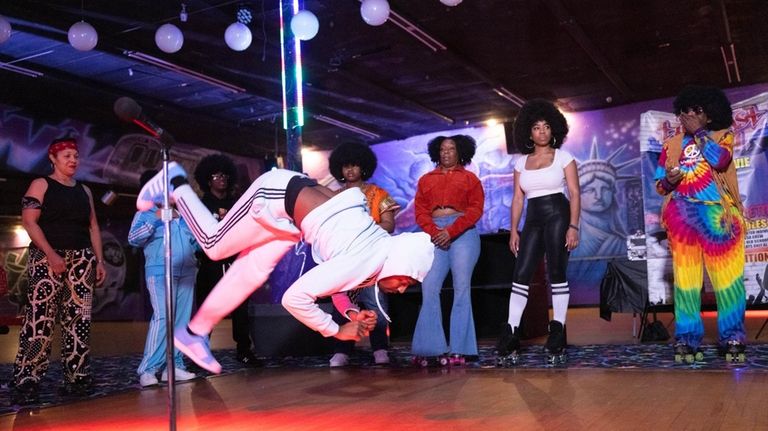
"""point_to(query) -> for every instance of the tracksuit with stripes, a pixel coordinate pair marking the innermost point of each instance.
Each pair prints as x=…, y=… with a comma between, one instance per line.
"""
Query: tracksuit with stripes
x=147, y=232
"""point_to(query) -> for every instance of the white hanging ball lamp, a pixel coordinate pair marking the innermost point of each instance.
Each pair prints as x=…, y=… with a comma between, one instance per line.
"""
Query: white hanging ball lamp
x=374, y=12
x=82, y=36
x=5, y=29
x=169, y=38
x=450, y=2
x=304, y=25
x=238, y=36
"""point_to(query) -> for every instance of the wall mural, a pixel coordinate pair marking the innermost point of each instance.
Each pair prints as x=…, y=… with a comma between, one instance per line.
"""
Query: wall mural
x=606, y=145
x=108, y=158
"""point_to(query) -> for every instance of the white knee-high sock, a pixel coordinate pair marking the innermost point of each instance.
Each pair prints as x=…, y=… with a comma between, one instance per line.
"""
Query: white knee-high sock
x=517, y=302
x=561, y=294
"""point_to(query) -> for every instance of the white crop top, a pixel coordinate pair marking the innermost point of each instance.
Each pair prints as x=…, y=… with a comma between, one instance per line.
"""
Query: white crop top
x=544, y=181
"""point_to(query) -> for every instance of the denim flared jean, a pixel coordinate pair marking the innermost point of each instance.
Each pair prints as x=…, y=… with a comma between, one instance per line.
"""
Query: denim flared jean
x=460, y=258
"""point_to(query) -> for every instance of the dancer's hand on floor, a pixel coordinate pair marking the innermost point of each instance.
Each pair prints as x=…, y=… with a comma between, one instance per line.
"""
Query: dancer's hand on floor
x=353, y=330
x=368, y=318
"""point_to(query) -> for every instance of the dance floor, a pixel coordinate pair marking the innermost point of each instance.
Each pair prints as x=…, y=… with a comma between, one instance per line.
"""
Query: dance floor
x=603, y=386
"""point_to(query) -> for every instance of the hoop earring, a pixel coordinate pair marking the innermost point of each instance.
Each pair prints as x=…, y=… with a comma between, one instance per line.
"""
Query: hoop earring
x=529, y=144
x=554, y=141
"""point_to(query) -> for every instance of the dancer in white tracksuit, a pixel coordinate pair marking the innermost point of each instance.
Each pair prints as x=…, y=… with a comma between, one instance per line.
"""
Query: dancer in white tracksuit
x=274, y=213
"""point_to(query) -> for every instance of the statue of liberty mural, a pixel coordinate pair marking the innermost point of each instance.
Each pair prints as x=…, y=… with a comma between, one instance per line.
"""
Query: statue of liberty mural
x=602, y=230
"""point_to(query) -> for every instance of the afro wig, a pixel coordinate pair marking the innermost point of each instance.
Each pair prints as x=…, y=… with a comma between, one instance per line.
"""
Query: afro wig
x=538, y=110
x=711, y=99
x=352, y=154
x=465, y=147
x=212, y=164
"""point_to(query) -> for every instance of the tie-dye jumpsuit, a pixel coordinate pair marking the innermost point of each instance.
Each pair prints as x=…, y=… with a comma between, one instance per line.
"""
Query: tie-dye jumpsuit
x=701, y=233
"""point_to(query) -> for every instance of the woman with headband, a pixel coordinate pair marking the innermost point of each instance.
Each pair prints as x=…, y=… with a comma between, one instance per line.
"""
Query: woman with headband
x=65, y=263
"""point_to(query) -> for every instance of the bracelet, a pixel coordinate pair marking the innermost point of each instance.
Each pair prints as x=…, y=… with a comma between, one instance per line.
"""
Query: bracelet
x=573, y=227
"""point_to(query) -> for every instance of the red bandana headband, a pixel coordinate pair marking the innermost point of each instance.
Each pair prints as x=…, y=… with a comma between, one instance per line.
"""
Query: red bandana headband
x=57, y=146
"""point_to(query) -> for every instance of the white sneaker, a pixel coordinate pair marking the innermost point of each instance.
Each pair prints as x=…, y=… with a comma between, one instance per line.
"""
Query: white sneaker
x=147, y=379
x=180, y=375
x=381, y=357
x=152, y=192
x=339, y=360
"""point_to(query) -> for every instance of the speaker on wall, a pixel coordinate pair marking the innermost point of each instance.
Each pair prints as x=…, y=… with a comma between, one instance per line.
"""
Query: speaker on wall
x=509, y=136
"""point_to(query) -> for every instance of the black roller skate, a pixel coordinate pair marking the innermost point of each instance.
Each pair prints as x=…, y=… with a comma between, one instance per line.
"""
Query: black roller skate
x=556, y=342
x=735, y=351
x=508, y=347
x=686, y=353
x=432, y=361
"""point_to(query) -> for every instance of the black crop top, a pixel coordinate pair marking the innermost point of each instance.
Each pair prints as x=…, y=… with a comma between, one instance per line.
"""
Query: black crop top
x=65, y=216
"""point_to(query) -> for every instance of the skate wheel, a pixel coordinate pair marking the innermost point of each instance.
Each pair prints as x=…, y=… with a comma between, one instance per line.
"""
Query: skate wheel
x=689, y=358
x=699, y=357
x=739, y=357
x=444, y=361
x=679, y=358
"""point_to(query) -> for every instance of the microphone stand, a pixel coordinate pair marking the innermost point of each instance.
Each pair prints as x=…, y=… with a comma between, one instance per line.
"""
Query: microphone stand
x=167, y=216
x=129, y=111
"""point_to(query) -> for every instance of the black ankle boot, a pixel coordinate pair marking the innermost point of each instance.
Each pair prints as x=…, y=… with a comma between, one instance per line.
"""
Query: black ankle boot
x=26, y=393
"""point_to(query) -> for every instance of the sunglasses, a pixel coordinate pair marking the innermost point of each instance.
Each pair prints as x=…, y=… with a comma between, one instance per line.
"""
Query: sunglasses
x=692, y=110
x=219, y=177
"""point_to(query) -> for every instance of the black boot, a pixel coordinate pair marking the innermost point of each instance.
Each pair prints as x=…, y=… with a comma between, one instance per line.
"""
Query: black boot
x=81, y=387
x=26, y=393
x=247, y=358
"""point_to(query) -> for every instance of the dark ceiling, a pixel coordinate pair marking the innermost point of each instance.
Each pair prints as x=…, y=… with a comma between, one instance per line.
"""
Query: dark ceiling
x=490, y=55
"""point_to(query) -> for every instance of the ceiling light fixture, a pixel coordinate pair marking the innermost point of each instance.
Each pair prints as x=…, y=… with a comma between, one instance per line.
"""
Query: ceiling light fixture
x=416, y=32
x=154, y=61
x=347, y=126
x=20, y=70
x=512, y=97
x=183, y=15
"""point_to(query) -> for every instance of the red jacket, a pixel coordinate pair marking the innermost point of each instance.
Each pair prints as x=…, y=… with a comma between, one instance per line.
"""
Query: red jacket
x=457, y=188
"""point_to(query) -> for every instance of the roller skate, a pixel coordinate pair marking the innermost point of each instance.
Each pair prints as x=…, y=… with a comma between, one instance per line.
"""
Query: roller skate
x=432, y=361
x=555, y=345
x=686, y=353
x=735, y=351
x=508, y=347
x=457, y=360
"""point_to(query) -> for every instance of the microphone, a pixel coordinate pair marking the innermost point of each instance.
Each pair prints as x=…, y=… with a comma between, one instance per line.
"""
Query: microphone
x=129, y=111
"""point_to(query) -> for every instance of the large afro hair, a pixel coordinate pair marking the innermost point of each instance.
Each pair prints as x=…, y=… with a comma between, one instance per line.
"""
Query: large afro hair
x=538, y=110
x=465, y=146
x=714, y=102
x=355, y=154
x=212, y=164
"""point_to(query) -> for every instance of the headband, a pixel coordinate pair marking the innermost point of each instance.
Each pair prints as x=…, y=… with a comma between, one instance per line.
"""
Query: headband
x=61, y=145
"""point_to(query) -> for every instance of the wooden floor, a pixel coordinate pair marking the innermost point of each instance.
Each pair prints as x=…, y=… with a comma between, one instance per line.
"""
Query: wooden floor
x=439, y=399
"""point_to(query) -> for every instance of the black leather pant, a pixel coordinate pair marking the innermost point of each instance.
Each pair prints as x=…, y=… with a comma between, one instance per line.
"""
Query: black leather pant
x=546, y=223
